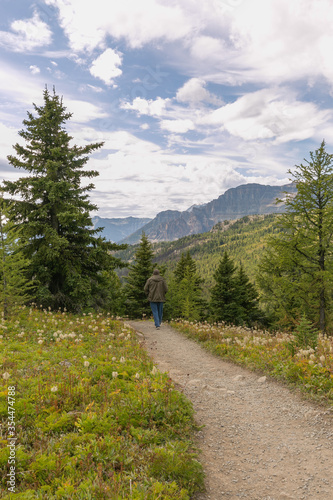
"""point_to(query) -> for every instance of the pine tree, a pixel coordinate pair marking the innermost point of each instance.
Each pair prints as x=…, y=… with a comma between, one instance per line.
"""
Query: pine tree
x=15, y=288
x=67, y=258
x=185, y=298
x=142, y=268
x=302, y=253
x=247, y=299
x=224, y=303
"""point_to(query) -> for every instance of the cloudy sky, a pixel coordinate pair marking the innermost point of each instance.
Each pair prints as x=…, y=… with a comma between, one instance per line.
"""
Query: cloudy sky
x=191, y=98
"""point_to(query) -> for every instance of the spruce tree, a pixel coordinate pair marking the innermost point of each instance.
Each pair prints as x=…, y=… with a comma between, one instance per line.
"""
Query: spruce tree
x=247, y=299
x=67, y=258
x=137, y=304
x=224, y=302
x=15, y=287
x=185, y=298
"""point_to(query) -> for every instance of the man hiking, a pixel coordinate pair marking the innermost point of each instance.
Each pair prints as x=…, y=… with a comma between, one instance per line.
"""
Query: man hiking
x=156, y=288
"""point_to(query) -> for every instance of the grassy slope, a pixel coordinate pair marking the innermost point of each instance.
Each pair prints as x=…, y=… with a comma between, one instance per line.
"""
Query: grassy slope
x=93, y=417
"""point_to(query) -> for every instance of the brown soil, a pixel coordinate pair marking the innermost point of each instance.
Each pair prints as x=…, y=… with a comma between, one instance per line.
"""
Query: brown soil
x=261, y=441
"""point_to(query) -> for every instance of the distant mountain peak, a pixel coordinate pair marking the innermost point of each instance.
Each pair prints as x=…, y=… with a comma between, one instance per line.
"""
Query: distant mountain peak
x=235, y=203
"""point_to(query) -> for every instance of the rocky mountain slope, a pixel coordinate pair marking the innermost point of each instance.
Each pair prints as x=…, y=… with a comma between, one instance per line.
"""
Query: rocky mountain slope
x=248, y=199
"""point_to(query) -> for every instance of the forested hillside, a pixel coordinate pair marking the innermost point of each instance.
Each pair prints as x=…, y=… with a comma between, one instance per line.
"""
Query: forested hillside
x=243, y=239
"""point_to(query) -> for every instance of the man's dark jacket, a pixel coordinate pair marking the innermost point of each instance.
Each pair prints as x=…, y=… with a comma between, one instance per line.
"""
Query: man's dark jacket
x=156, y=288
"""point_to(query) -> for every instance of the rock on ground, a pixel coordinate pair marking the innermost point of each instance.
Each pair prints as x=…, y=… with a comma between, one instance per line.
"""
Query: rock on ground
x=261, y=441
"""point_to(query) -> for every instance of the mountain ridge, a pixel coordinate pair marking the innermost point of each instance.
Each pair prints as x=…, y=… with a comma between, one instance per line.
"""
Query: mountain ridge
x=235, y=203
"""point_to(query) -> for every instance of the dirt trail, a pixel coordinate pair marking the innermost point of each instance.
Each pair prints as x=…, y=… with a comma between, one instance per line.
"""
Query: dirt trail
x=260, y=441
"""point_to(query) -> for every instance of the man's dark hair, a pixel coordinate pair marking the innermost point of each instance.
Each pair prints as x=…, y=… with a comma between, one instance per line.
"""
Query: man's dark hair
x=156, y=271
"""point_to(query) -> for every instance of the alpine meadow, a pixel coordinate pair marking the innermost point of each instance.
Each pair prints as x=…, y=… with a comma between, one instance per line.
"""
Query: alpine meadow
x=93, y=416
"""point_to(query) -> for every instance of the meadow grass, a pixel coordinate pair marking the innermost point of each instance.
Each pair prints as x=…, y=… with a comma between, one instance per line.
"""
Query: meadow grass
x=86, y=415
x=279, y=355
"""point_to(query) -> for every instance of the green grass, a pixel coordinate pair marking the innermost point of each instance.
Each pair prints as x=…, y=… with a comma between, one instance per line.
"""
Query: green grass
x=94, y=419
x=310, y=369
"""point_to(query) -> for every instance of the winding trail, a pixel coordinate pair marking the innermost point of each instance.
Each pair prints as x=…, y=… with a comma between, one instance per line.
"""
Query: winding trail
x=261, y=441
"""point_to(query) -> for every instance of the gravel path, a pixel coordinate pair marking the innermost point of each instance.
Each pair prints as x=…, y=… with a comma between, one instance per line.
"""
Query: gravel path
x=260, y=441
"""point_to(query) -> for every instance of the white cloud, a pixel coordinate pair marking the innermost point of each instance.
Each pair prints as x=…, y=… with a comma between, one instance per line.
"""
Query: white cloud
x=194, y=92
x=84, y=111
x=34, y=69
x=269, y=114
x=177, y=126
x=142, y=179
x=87, y=24
x=26, y=35
x=225, y=40
x=106, y=66
x=149, y=107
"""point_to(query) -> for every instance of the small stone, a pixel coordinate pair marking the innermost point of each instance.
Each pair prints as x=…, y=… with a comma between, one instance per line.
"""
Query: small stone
x=262, y=380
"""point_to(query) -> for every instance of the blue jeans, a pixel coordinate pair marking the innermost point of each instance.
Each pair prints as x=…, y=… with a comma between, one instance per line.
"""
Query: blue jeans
x=157, y=310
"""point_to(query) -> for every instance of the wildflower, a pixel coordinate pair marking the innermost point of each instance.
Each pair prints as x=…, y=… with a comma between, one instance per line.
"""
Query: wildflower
x=86, y=363
x=114, y=374
x=114, y=359
x=54, y=388
x=122, y=359
x=40, y=341
x=311, y=362
x=137, y=375
x=84, y=357
x=154, y=370
x=322, y=359
x=6, y=375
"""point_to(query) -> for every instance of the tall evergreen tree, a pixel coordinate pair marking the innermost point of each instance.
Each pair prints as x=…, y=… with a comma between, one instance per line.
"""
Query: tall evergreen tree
x=15, y=287
x=185, y=297
x=224, y=302
x=247, y=298
x=299, y=259
x=67, y=258
x=139, y=272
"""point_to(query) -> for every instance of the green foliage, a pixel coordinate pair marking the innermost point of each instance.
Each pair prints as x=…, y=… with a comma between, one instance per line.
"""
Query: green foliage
x=305, y=336
x=95, y=418
x=310, y=369
x=15, y=287
x=139, y=271
x=233, y=297
x=244, y=239
x=185, y=291
x=296, y=271
x=66, y=257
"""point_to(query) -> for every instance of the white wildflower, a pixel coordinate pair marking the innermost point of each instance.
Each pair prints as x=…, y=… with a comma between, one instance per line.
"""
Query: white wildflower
x=114, y=374
x=122, y=359
x=6, y=375
x=54, y=388
x=86, y=363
